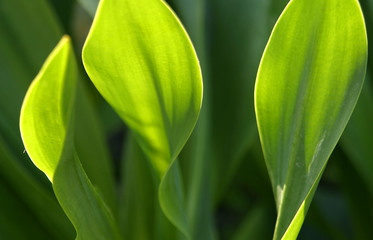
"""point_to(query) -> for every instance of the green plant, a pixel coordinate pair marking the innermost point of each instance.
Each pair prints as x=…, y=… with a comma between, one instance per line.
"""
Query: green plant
x=174, y=182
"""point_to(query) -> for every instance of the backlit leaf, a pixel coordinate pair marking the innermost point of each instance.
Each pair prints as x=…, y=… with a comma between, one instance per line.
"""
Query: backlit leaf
x=308, y=83
x=143, y=63
x=47, y=132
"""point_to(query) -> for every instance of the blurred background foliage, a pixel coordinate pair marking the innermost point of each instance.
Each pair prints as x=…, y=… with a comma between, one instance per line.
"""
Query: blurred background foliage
x=228, y=192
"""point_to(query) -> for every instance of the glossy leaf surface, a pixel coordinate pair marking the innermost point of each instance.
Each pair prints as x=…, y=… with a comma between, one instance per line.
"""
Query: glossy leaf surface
x=46, y=128
x=143, y=63
x=308, y=83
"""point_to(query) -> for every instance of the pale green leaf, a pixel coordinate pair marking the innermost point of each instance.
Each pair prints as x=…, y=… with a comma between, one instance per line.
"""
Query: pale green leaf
x=308, y=83
x=46, y=109
x=47, y=132
x=155, y=81
x=143, y=63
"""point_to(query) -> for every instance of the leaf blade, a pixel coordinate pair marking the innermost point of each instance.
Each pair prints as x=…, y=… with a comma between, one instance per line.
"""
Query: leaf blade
x=149, y=73
x=47, y=130
x=308, y=83
x=43, y=145
x=147, y=61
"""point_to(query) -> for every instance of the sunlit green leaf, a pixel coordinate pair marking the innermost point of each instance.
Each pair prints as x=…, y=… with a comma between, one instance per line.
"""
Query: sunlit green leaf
x=155, y=82
x=46, y=128
x=49, y=102
x=28, y=32
x=308, y=82
x=143, y=63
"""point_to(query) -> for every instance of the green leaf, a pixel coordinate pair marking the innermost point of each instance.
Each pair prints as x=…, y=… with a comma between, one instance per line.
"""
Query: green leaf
x=195, y=159
x=308, y=83
x=47, y=108
x=155, y=81
x=28, y=32
x=47, y=133
x=143, y=63
x=141, y=216
x=91, y=147
x=138, y=194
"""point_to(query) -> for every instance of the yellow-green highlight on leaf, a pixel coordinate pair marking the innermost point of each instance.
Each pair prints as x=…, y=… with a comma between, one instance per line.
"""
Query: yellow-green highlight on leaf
x=47, y=130
x=141, y=60
x=44, y=142
x=308, y=82
x=143, y=63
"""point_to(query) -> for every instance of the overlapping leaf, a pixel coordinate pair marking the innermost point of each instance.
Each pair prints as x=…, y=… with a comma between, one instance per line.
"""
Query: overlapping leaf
x=28, y=32
x=141, y=215
x=195, y=159
x=308, y=82
x=46, y=128
x=142, y=62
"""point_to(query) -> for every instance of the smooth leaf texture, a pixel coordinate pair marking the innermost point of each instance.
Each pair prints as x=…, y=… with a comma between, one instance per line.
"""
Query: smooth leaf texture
x=44, y=142
x=47, y=131
x=28, y=32
x=143, y=63
x=155, y=80
x=308, y=83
